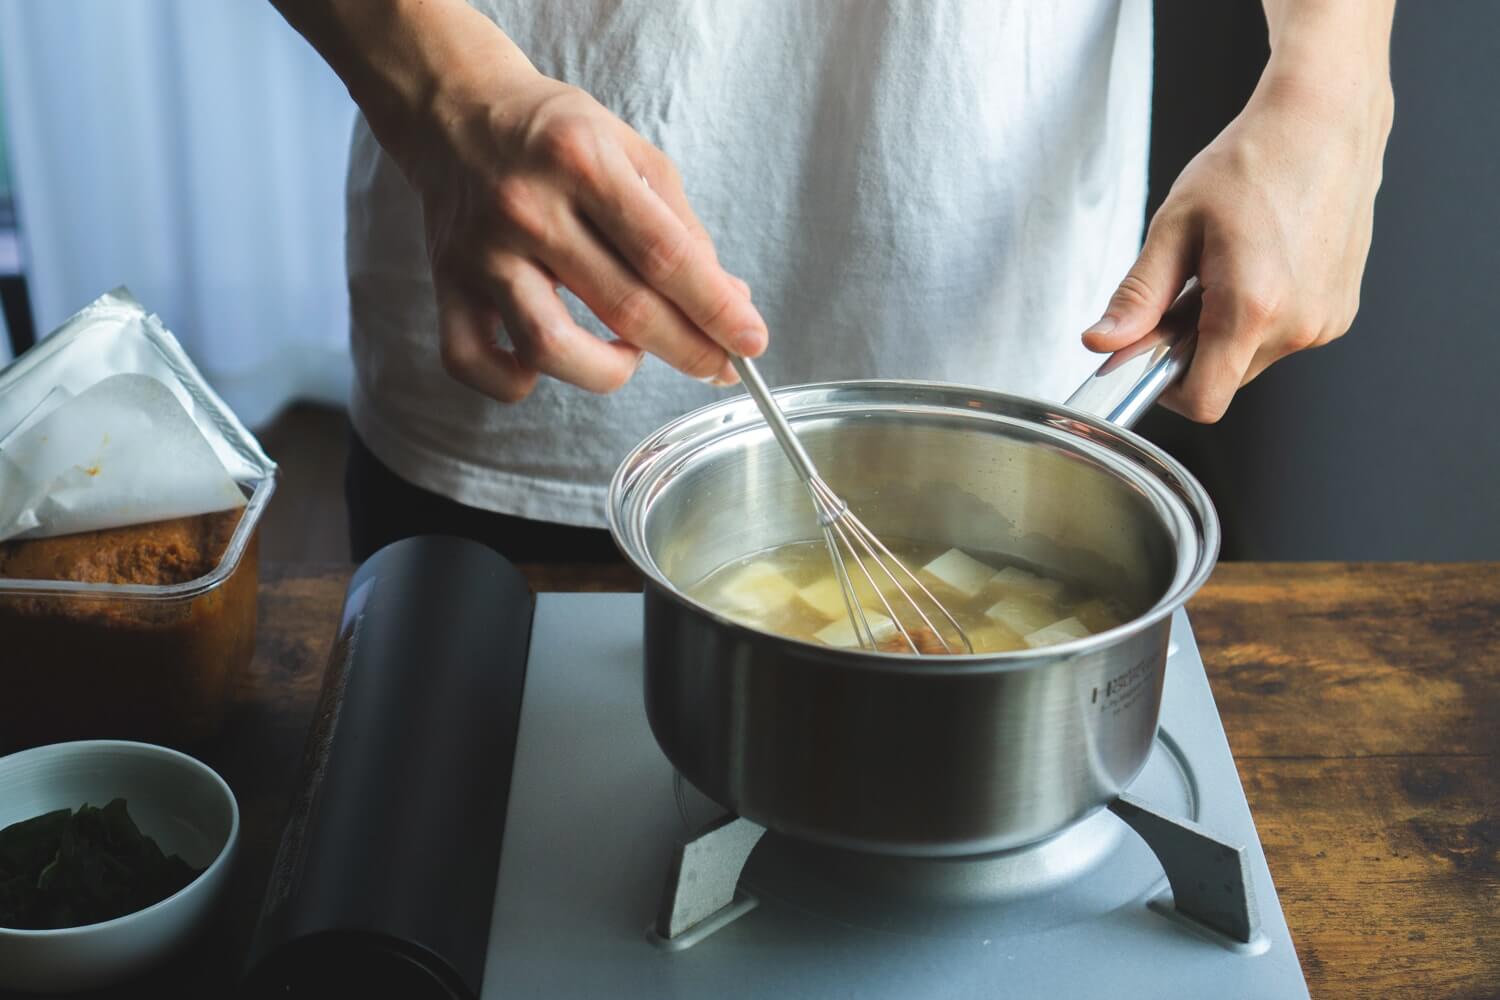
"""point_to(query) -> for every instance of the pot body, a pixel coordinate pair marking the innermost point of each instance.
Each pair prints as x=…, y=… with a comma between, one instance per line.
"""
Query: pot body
x=890, y=753
x=900, y=762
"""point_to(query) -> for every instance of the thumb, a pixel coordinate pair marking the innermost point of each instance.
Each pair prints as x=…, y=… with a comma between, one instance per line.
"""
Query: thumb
x=1166, y=263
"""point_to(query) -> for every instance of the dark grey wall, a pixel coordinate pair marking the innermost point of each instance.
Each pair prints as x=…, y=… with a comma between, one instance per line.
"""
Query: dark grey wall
x=1385, y=444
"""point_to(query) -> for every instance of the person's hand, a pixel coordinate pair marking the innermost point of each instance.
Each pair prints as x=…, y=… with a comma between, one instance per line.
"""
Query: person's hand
x=528, y=184
x=1274, y=220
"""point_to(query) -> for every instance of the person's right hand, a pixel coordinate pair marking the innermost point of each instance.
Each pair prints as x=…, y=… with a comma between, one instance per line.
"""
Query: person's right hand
x=528, y=184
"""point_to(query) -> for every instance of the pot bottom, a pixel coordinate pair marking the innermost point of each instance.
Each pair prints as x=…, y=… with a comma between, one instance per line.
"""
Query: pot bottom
x=1092, y=866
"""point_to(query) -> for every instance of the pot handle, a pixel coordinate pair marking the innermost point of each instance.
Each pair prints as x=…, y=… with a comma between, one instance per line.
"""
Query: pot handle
x=1129, y=381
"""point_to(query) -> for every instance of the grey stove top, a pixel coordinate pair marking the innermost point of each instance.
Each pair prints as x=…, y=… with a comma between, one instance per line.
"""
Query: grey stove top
x=594, y=814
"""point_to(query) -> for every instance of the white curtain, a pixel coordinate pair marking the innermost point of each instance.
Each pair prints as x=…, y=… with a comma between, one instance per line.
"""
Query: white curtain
x=193, y=150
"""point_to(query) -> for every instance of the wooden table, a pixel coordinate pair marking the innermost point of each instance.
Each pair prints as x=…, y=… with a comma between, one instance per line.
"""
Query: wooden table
x=1362, y=702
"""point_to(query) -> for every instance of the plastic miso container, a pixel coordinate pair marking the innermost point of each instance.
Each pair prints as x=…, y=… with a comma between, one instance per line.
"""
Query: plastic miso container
x=90, y=660
x=129, y=661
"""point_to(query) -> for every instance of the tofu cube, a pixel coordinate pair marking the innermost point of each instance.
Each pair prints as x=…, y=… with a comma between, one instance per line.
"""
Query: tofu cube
x=825, y=597
x=1097, y=615
x=995, y=638
x=1020, y=613
x=1017, y=580
x=960, y=571
x=756, y=590
x=887, y=578
x=841, y=633
x=1063, y=631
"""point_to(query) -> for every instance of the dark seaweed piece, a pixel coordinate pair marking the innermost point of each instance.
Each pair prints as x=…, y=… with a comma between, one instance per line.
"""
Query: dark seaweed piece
x=28, y=845
x=66, y=869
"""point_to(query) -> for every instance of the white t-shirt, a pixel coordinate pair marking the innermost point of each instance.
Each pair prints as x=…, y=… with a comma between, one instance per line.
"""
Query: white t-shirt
x=932, y=189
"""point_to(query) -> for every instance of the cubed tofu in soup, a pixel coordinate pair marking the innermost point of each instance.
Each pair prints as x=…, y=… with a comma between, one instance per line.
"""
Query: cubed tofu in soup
x=757, y=588
x=1021, y=613
x=842, y=632
x=960, y=571
x=1062, y=631
x=793, y=590
x=878, y=580
x=1013, y=578
x=1097, y=615
x=994, y=637
x=825, y=597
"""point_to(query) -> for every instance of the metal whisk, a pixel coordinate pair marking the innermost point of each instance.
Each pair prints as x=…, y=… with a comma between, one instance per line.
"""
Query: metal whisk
x=842, y=531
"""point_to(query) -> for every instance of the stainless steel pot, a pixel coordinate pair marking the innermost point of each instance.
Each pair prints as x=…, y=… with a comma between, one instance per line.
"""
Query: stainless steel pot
x=888, y=752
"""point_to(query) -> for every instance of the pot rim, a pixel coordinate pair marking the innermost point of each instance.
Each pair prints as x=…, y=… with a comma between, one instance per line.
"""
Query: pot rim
x=1150, y=463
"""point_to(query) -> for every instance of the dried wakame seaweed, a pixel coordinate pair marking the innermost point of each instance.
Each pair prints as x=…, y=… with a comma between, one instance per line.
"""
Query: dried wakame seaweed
x=66, y=868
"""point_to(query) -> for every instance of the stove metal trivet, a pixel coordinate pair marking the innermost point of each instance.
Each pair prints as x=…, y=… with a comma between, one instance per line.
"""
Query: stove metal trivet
x=1211, y=888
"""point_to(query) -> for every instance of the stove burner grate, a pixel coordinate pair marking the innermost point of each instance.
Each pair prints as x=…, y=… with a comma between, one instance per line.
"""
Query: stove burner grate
x=725, y=865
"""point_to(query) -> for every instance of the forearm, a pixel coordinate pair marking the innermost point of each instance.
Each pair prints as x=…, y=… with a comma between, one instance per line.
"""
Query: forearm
x=1274, y=216
x=402, y=60
x=1332, y=52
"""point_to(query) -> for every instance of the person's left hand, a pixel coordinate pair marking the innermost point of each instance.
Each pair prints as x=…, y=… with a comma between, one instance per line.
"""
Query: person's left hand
x=1273, y=218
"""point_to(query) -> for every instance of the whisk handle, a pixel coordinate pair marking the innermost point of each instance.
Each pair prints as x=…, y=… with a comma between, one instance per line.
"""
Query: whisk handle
x=785, y=436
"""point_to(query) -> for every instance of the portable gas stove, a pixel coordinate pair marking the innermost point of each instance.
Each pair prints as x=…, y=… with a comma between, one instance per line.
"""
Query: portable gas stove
x=618, y=879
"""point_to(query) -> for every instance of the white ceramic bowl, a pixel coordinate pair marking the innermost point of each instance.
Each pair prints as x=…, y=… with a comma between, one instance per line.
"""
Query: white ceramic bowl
x=178, y=801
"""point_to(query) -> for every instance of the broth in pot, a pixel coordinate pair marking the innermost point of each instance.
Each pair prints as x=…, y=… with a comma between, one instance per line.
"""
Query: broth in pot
x=1001, y=605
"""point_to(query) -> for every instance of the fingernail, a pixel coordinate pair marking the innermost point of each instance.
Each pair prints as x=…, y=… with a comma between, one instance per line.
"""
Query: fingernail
x=748, y=343
x=725, y=376
x=1105, y=325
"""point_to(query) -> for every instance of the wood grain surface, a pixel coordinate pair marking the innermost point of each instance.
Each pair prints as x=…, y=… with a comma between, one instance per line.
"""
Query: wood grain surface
x=1362, y=703
x=1361, y=700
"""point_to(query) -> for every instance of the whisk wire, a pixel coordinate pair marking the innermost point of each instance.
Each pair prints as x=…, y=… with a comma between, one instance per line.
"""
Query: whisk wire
x=863, y=634
x=843, y=525
x=839, y=525
x=885, y=553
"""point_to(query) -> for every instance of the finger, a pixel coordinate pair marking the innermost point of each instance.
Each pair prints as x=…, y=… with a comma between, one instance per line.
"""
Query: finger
x=1291, y=340
x=547, y=339
x=469, y=351
x=669, y=188
x=664, y=251
x=1232, y=328
x=1262, y=360
x=1218, y=369
x=657, y=174
x=1149, y=289
x=637, y=313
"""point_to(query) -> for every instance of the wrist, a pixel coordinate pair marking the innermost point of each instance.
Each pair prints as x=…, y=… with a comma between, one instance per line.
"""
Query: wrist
x=1330, y=60
x=410, y=65
x=1342, y=95
x=453, y=60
